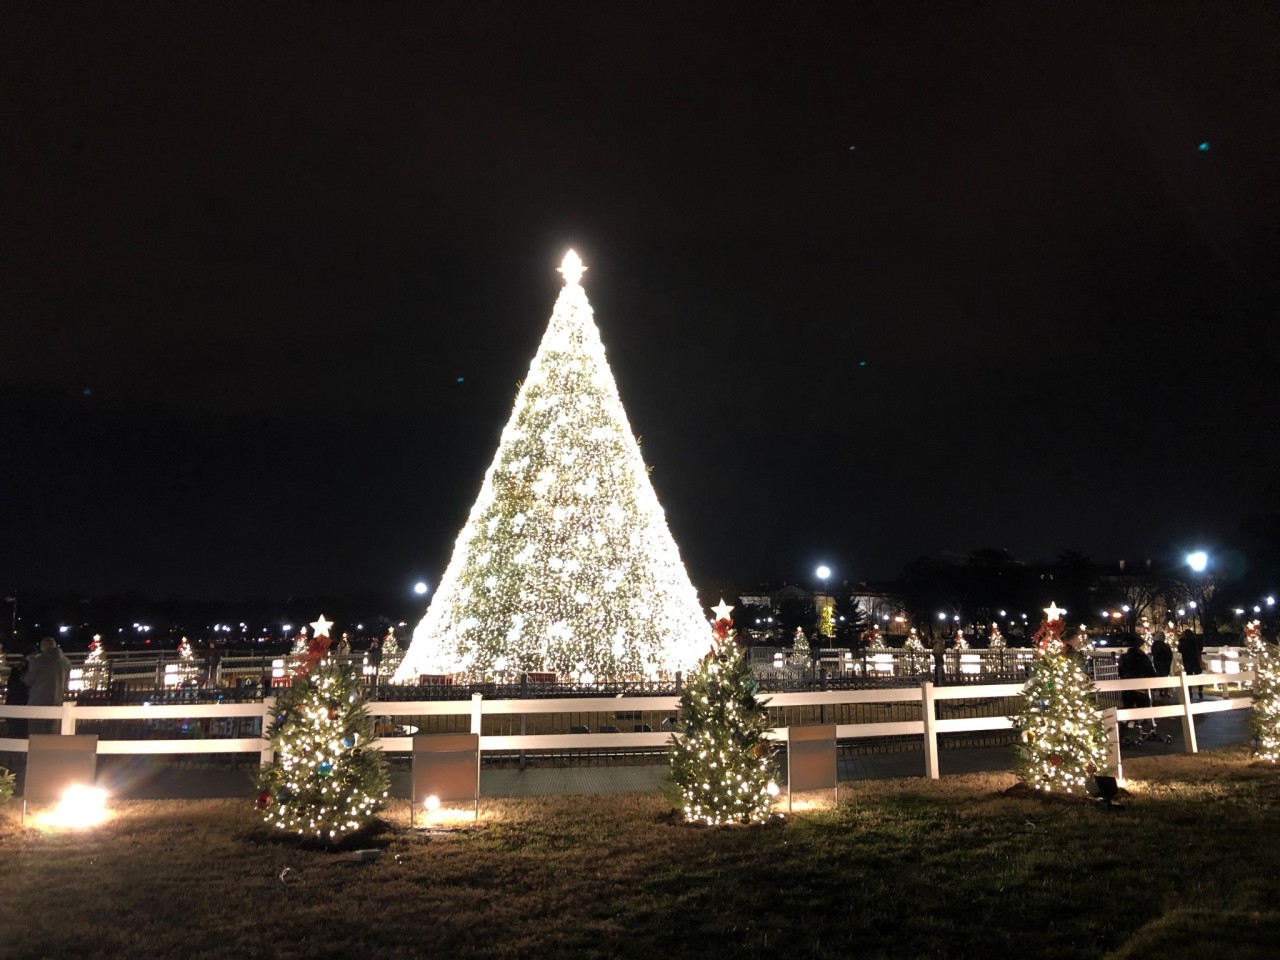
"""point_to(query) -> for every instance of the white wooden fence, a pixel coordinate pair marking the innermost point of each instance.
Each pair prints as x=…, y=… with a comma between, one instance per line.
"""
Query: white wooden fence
x=926, y=694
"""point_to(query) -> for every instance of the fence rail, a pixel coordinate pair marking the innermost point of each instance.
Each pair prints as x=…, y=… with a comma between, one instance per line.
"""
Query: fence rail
x=932, y=701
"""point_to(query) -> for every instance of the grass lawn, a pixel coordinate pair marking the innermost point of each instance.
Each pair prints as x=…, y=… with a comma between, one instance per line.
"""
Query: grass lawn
x=911, y=868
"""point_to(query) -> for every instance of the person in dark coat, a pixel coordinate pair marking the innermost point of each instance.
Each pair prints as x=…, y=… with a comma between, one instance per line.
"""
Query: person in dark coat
x=1162, y=660
x=1161, y=656
x=374, y=659
x=47, y=675
x=1191, y=649
x=1136, y=664
x=16, y=696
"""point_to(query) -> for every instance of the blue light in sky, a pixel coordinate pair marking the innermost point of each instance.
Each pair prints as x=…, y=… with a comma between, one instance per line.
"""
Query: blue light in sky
x=1204, y=146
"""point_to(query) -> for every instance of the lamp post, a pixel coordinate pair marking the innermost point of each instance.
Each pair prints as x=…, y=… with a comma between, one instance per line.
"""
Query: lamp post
x=1198, y=561
x=823, y=573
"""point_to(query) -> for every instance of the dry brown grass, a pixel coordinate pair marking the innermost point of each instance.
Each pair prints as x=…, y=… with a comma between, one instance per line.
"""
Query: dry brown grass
x=955, y=868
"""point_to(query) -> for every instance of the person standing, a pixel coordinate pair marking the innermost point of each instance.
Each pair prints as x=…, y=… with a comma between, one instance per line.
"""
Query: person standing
x=17, y=695
x=374, y=658
x=47, y=677
x=213, y=659
x=1161, y=655
x=1191, y=650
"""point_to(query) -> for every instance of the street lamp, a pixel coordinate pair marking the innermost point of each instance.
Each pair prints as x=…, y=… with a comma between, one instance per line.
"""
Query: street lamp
x=1198, y=560
x=823, y=573
x=420, y=588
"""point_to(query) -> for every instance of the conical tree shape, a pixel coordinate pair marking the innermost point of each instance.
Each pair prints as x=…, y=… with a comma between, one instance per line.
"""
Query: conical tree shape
x=566, y=563
x=1061, y=739
x=721, y=757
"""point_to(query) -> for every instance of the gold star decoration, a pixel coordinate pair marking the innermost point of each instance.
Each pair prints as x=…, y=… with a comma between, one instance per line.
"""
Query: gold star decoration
x=1053, y=612
x=321, y=626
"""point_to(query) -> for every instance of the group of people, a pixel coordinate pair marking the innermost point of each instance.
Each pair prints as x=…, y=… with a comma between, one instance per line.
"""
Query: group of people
x=40, y=680
x=1155, y=659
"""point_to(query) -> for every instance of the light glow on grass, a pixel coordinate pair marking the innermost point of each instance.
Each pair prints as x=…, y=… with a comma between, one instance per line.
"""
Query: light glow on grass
x=80, y=807
x=434, y=815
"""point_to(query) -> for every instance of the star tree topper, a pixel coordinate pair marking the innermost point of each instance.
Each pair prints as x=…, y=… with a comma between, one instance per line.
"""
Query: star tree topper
x=722, y=611
x=321, y=626
x=572, y=268
x=1053, y=612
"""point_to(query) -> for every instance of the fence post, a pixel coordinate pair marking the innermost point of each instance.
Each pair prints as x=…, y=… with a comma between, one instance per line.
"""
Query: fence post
x=524, y=695
x=1113, y=744
x=1188, y=719
x=930, y=730
x=477, y=708
x=268, y=717
x=68, y=718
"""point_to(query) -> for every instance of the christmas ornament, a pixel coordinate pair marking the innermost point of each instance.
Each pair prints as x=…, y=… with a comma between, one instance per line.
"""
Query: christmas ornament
x=263, y=801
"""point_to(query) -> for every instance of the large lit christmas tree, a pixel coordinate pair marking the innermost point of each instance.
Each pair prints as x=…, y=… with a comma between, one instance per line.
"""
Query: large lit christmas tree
x=721, y=758
x=1062, y=741
x=566, y=563
x=1265, y=692
x=325, y=782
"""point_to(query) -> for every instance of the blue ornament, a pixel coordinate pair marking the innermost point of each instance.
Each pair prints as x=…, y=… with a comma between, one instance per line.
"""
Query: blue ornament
x=1204, y=146
x=325, y=769
x=347, y=743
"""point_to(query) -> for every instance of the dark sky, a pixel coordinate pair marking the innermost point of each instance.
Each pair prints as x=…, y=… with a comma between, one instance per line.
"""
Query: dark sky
x=876, y=280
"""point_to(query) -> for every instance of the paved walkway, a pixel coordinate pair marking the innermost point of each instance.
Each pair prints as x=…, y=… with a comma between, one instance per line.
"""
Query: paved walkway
x=147, y=777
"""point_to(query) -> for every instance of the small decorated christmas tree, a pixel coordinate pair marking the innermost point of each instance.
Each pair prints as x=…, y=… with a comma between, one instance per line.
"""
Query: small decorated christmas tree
x=917, y=655
x=799, y=642
x=875, y=639
x=300, y=643
x=1062, y=741
x=720, y=756
x=960, y=641
x=1148, y=634
x=1084, y=643
x=326, y=782
x=96, y=669
x=187, y=668
x=1265, y=693
x=997, y=641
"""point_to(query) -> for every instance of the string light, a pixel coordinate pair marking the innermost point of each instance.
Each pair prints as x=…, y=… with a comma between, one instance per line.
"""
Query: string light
x=565, y=563
x=1062, y=741
x=1265, y=692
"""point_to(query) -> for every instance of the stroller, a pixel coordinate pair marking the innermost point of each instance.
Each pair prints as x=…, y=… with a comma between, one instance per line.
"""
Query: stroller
x=1139, y=732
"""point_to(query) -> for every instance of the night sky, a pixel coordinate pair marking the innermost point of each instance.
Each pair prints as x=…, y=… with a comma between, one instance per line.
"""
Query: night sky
x=876, y=280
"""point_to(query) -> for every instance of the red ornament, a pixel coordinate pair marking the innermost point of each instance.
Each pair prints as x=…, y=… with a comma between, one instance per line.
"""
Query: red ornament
x=263, y=801
x=1090, y=768
x=1056, y=760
